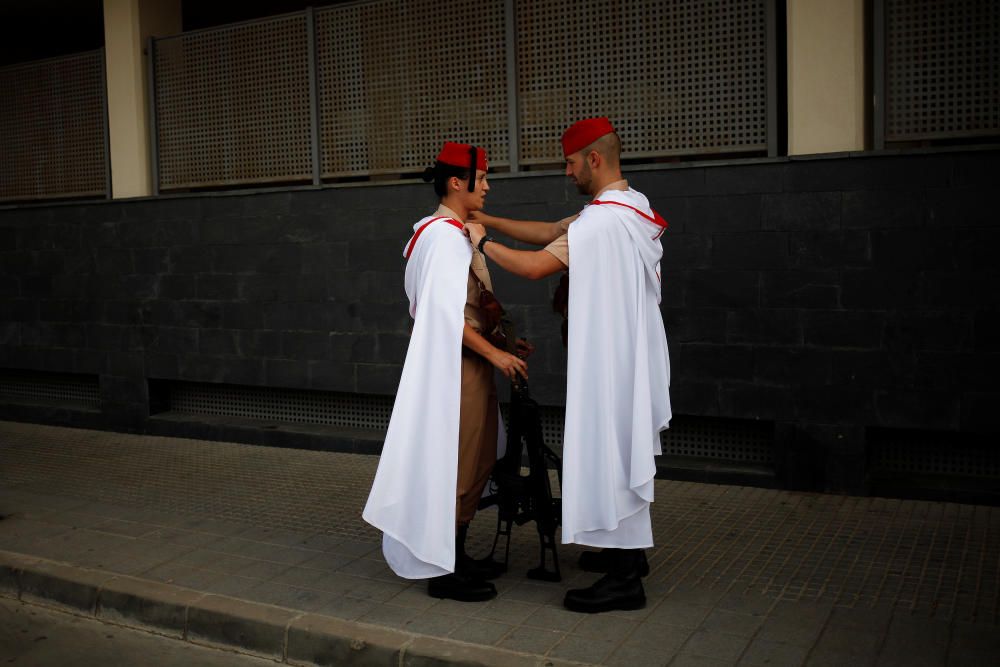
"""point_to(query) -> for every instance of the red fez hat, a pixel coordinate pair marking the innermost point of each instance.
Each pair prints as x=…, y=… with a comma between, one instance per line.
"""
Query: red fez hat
x=461, y=155
x=584, y=132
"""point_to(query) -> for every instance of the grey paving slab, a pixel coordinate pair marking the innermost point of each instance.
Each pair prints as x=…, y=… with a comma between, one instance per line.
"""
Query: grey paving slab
x=764, y=652
x=713, y=645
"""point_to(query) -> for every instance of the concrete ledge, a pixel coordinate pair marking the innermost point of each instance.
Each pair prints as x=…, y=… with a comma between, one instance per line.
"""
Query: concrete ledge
x=250, y=626
x=150, y=605
x=62, y=585
x=285, y=635
x=321, y=640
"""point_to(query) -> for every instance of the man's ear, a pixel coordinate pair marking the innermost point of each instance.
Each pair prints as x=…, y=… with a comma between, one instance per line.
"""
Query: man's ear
x=454, y=184
x=594, y=159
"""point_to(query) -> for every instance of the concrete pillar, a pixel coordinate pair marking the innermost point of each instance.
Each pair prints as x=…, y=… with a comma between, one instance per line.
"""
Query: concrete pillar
x=127, y=25
x=826, y=76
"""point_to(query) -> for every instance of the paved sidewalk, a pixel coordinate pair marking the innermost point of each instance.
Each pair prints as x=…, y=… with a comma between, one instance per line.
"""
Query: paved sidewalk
x=136, y=527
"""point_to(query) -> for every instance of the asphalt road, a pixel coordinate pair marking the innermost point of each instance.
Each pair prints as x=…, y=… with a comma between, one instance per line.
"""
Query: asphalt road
x=35, y=636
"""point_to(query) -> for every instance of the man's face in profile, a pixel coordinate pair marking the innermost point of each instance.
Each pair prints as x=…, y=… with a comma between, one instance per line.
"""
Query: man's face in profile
x=578, y=171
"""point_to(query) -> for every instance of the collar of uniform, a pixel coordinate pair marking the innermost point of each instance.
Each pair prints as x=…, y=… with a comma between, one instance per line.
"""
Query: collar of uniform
x=617, y=185
x=445, y=212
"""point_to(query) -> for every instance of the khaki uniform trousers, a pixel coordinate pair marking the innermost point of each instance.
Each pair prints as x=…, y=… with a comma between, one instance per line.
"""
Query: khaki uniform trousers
x=477, y=434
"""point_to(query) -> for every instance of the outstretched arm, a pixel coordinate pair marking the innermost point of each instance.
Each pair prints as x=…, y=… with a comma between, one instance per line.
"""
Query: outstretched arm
x=529, y=231
x=531, y=264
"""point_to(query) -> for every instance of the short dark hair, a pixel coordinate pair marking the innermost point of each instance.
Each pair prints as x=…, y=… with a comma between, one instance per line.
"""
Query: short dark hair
x=440, y=173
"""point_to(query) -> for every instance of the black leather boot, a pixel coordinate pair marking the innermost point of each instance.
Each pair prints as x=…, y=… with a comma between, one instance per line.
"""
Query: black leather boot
x=600, y=561
x=484, y=568
x=461, y=587
x=620, y=588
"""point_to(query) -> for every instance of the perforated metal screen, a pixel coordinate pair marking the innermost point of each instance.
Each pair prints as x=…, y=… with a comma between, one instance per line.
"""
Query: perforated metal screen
x=232, y=105
x=942, y=69
x=59, y=389
x=398, y=76
x=932, y=454
x=704, y=438
x=52, y=128
x=282, y=405
x=674, y=77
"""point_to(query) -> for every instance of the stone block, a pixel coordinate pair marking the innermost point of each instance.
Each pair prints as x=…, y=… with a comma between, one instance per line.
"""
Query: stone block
x=801, y=211
x=321, y=640
x=732, y=213
x=701, y=362
x=306, y=345
x=750, y=251
x=743, y=179
x=913, y=249
x=146, y=604
x=800, y=289
x=217, y=287
x=716, y=288
x=48, y=583
x=843, y=328
x=695, y=325
x=686, y=251
x=834, y=405
x=219, y=341
x=745, y=400
x=286, y=373
x=880, y=209
x=764, y=327
x=249, y=626
x=792, y=366
x=378, y=378
x=923, y=408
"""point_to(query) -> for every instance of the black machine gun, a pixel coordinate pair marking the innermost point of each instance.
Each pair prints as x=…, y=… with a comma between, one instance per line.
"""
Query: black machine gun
x=522, y=498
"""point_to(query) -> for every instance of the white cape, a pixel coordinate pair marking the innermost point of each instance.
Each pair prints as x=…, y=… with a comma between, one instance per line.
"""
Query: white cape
x=412, y=500
x=618, y=375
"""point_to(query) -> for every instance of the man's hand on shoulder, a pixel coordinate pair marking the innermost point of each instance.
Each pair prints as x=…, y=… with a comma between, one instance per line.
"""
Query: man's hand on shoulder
x=475, y=232
x=484, y=219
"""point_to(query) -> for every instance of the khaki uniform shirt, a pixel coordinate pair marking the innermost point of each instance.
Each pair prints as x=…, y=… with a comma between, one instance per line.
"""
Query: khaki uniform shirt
x=478, y=269
x=560, y=247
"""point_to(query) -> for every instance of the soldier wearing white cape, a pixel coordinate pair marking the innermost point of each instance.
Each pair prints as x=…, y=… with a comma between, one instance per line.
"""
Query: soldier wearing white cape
x=443, y=436
x=618, y=369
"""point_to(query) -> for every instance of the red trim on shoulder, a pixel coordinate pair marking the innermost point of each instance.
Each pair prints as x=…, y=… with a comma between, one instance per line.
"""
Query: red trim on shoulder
x=416, y=235
x=656, y=218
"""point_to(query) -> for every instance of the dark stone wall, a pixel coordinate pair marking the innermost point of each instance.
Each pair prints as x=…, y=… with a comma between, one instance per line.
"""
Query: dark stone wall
x=827, y=295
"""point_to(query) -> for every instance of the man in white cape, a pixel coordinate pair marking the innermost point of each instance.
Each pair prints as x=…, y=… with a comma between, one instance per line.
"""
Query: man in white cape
x=618, y=368
x=443, y=439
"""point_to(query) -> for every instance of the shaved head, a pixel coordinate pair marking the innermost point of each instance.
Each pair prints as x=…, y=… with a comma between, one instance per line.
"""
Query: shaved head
x=609, y=147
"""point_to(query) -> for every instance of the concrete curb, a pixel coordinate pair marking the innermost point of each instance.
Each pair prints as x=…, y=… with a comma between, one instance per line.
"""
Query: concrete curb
x=286, y=635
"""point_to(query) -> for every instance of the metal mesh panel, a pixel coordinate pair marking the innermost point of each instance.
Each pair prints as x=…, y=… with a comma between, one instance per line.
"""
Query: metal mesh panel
x=931, y=454
x=396, y=77
x=674, y=77
x=51, y=388
x=942, y=69
x=284, y=405
x=52, y=128
x=232, y=104
x=704, y=438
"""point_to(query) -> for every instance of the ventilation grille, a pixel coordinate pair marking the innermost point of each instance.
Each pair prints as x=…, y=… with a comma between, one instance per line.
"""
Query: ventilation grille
x=232, y=105
x=704, y=438
x=52, y=128
x=932, y=454
x=282, y=405
x=674, y=77
x=57, y=389
x=397, y=76
x=942, y=69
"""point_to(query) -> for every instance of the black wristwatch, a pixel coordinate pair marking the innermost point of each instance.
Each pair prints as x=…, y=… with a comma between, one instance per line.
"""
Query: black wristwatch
x=482, y=242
